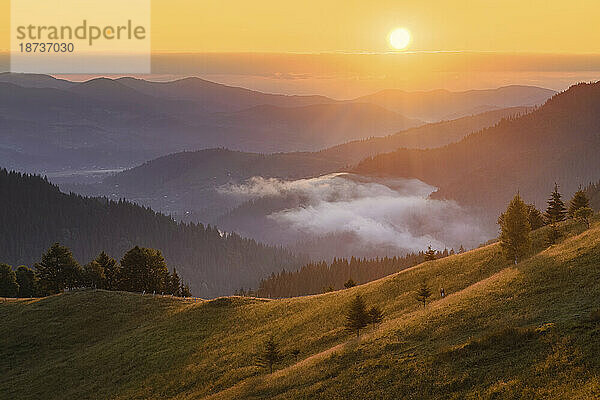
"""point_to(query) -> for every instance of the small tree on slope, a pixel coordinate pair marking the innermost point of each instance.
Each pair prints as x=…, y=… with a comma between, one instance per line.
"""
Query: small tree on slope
x=556, y=210
x=514, y=237
x=357, y=316
x=579, y=201
x=270, y=355
x=423, y=293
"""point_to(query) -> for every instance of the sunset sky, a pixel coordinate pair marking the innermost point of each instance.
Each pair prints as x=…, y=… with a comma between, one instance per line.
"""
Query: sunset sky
x=514, y=27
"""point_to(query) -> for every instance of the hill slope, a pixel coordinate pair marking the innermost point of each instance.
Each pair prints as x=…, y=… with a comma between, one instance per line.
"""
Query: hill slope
x=559, y=142
x=34, y=214
x=504, y=331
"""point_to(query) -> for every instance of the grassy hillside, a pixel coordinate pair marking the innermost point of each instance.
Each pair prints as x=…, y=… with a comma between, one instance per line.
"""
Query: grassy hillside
x=504, y=331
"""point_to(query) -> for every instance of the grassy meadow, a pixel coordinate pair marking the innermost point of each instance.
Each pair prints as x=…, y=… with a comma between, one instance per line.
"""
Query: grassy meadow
x=530, y=330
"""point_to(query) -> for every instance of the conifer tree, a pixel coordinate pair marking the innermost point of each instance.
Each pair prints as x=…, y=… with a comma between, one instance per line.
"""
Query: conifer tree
x=429, y=254
x=579, y=200
x=423, y=293
x=8, y=281
x=357, y=316
x=375, y=315
x=270, y=354
x=514, y=237
x=58, y=270
x=556, y=210
x=175, y=284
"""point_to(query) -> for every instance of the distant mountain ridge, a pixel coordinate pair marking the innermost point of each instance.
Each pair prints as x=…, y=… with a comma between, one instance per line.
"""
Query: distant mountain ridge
x=105, y=123
x=442, y=104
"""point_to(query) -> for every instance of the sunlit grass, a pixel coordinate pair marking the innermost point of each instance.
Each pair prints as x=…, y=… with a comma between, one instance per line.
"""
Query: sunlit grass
x=503, y=330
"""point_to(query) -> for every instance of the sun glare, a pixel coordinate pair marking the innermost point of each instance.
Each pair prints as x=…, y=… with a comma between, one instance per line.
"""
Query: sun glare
x=399, y=38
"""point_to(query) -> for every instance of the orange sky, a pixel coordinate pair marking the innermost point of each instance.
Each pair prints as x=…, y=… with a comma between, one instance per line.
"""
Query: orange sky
x=549, y=26
x=515, y=28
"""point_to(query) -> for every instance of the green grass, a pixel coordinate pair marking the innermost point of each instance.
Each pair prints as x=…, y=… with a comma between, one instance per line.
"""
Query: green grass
x=530, y=330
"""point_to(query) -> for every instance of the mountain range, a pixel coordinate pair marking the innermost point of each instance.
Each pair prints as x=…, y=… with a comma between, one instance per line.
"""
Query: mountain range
x=557, y=143
x=60, y=125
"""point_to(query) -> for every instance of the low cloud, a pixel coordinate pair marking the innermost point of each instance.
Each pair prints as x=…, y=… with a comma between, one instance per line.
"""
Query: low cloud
x=386, y=213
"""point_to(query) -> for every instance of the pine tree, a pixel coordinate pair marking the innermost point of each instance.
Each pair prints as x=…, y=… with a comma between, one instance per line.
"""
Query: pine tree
x=349, y=283
x=357, y=316
x=270, y=355
x=579, y=200
x=514, y=238
x=8, y=281
x=556, y=210
x=423, y=293
x=430, y=254
x=58, y=270
x=375, y=315
x=175, y=284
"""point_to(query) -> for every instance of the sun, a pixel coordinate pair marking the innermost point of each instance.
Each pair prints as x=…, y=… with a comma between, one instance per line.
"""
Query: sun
x=399, y=38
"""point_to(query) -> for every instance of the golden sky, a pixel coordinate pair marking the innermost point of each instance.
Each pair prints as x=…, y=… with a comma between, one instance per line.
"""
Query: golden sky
x=547, y=26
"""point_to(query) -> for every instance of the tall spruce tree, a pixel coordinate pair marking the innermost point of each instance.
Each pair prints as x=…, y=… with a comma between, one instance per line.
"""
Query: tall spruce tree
x=175, y=284
x=357, y=316
x=579, y=200
x=58, y=270
x=8, y=281
x=514, y=224
x=556, y=210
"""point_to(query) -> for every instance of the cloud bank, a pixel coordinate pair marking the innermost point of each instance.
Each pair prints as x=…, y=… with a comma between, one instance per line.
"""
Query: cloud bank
x=386, y=213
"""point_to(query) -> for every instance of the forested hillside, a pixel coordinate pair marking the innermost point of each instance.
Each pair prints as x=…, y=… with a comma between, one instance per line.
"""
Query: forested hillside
x=34, y=214
x=319, y=277
x=559, y=142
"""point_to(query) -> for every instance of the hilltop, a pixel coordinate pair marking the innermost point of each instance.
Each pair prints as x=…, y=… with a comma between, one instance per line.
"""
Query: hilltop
x=504, y=331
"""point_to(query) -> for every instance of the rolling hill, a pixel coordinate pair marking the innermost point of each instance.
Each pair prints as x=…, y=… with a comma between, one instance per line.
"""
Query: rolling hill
x=35, y=214
x=503, y=331
x=558, y=142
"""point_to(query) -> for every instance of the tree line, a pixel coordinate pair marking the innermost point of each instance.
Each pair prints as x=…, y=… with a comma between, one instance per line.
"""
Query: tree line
x=140, y=270
x=520, y=219
x=319, y=277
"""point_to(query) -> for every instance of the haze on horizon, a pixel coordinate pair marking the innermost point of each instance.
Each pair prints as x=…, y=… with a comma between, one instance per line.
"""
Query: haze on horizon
x=282, y=47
